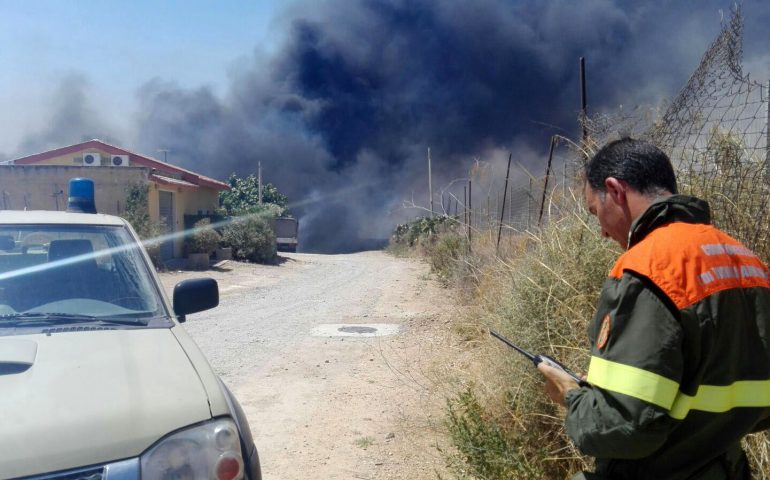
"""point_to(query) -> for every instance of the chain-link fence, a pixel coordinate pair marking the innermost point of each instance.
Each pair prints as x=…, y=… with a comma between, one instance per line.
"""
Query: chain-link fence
x=716, y=133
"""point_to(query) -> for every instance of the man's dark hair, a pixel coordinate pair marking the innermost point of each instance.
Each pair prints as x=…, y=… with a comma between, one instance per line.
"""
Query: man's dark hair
x=640, y=164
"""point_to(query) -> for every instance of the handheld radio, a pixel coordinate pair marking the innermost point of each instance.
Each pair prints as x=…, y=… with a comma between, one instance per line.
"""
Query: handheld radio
x=537, y=359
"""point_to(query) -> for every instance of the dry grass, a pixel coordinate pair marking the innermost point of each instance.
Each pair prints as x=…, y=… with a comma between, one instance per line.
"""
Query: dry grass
x=540, y=291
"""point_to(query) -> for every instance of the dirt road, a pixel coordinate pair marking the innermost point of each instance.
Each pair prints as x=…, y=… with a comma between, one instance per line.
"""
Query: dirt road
x=337, y=361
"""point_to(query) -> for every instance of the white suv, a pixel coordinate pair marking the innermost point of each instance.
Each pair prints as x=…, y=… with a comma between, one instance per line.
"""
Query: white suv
x=97, y=378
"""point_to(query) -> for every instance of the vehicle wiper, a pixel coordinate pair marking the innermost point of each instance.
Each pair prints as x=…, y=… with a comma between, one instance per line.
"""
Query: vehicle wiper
x=52, y=318
x=45, y=318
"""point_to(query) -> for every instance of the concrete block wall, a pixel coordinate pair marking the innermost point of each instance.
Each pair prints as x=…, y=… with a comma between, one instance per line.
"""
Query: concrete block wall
x=45, y=187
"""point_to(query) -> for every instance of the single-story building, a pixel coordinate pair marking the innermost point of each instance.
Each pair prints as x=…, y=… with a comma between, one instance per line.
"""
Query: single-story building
x=40, y=182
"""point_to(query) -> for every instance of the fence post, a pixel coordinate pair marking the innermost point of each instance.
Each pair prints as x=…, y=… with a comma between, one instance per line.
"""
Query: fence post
x=583, y=99
x=470, y=212
x=465, y=204
x=430, y=187
x=529, y=204
x=505, y=193
x=564, y=182
x=547, y=173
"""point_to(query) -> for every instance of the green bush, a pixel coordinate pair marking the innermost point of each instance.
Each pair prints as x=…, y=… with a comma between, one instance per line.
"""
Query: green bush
x=486, y=451
x=445, y=255
x=421, y=229
x=251, y=238
x=243, y=195
x=203, y=239
x=137, y=213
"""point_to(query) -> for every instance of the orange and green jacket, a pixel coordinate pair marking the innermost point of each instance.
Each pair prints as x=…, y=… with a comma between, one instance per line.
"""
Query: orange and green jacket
x=680, y=357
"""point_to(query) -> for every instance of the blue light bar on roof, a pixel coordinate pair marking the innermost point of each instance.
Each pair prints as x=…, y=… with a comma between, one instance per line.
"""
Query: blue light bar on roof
x=81, y=198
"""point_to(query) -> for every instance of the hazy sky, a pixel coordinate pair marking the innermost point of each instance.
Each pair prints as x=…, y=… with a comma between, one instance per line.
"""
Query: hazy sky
x=337, y=94
x=116, y=46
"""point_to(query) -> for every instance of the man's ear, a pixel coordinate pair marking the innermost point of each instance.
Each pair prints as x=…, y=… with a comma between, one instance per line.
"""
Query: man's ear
x=616, y=189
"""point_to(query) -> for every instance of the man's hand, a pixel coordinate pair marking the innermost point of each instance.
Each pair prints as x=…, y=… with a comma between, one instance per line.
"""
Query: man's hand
x=557, y=383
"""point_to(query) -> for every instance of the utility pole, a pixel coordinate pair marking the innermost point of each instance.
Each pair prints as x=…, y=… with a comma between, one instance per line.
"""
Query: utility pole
x=259, y=182
x=430, y=185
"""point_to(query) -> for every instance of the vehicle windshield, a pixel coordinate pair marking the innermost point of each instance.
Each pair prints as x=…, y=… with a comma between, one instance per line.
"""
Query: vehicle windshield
x=59, y=274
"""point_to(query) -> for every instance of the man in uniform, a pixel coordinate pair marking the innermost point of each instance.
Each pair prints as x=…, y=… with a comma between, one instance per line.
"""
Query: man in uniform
x=680, y=353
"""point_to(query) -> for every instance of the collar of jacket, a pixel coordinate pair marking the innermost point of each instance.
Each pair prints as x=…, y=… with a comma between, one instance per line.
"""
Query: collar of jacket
x=668, y=209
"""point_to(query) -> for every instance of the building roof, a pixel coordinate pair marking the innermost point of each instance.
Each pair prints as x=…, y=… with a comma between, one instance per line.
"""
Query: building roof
x=172, y=182
x=189, y=178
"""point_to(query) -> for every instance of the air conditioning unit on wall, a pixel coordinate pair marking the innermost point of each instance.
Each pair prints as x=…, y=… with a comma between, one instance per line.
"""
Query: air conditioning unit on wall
x=92, y=159
x=119, y=160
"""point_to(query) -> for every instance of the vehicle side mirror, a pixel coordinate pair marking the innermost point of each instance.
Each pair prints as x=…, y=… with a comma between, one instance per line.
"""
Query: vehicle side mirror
x=195, y=295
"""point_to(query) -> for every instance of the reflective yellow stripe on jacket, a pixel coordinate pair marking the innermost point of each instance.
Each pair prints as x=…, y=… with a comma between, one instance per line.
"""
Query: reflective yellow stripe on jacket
x=664, y=392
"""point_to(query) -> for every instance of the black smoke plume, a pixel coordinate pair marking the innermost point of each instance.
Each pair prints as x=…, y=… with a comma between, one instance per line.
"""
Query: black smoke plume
x=341, y=117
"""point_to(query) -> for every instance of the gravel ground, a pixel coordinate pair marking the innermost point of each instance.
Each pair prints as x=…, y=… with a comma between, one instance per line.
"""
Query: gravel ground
x=333, y=407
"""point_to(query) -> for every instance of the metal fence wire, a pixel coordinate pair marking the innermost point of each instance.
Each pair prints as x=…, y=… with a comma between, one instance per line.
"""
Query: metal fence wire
x=716, y=134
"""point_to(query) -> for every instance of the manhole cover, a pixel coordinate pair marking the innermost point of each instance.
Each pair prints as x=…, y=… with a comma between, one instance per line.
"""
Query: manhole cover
x=357, y=330
x=353, y=330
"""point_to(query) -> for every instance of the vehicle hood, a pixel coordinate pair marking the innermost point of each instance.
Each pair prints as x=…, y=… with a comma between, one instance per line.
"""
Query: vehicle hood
x=90, y=397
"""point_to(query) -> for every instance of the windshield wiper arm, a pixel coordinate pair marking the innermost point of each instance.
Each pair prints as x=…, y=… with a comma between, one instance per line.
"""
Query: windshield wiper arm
x=44, y=318
x=51, y=318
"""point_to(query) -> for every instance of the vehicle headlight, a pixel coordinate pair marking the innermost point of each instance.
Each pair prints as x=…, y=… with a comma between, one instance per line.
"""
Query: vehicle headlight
x=212, y=450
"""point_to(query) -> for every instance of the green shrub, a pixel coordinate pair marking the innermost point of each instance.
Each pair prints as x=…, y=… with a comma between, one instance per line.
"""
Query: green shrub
x=251, y=238
x=486, y=450
x=137, y=213
x=203, y=239
x=445, y=255
x=243, y=195
x=421, y=229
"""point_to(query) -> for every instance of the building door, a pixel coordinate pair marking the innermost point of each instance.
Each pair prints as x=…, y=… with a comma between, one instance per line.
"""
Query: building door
x=166, y=215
